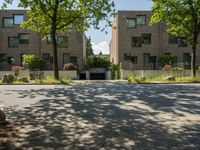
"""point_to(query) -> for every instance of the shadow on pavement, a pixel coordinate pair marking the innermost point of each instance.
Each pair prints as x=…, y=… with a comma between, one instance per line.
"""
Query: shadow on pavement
x=110, y=116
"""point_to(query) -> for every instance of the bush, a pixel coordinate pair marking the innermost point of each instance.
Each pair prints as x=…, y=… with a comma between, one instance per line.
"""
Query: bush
x=119, y=71
x=113, y=68
x=97, y=62
x=33, y=62
x=70, y=66
x=16, y=70
x=168, y=59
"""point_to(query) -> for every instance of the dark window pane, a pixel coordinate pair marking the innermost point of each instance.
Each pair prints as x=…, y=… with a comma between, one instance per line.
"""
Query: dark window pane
x=62, y=41
x=127, y=56
x=47, y=58
x=49, y=40
x=7, y=22
x=66, y=58
x=146, y=38
x=134, y=59
x=187, y=60
x=24, y=38
x=73, y=60
x=2, y=58
x=131, y=22
x=141, y=20
x=182, y=42
x=13, y=41
x=137, y=41
x=146, y=58
x=172, y=39
x=10, y=60
x=18, y=19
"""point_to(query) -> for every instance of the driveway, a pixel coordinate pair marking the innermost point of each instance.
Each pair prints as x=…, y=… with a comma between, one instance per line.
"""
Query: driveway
x=104, y=115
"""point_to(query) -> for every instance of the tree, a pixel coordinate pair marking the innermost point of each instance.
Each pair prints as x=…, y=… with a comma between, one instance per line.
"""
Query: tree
x=51, y=17
x=89, y=50
x=183, y=18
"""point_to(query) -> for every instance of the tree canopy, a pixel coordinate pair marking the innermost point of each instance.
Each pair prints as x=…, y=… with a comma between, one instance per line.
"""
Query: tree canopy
x=50, y=17
x=183, y=18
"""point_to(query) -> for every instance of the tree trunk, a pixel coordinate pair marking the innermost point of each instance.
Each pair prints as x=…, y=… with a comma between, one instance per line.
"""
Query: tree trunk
x=53, y=36
x=56, y=71
x=193, y=62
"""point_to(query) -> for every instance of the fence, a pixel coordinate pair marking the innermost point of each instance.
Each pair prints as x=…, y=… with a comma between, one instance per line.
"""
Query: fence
x=156, y=73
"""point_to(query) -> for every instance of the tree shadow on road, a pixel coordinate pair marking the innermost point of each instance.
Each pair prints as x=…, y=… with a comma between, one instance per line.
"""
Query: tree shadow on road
x=109, y=116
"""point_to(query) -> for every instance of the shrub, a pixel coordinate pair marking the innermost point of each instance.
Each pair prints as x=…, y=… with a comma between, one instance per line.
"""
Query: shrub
x=168, y=59
x=33, y=62
x=113, y=68
x=16, y=70
x=70, y=66
x=97, y=62
x=119, y=71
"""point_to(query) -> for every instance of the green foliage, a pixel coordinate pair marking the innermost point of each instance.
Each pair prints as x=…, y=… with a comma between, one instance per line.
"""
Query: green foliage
x=67, y=13
x=113, y=69
x=183, y=19
x=119, y=71
x=97, y=62
x=178, y=69
x=134, y=79
x=89, y=50
x=162, y=79
x=33, y=62
x=167, y=59
x=50, y=80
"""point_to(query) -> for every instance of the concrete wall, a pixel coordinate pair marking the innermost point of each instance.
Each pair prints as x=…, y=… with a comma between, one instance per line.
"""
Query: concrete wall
x=155, y=73
x=63, y=74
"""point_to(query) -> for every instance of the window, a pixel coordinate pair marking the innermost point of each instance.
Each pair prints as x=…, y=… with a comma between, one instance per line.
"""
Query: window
x=62, y=41
x=47, y=58
x=146, y=38
x=167, y=53
x=172, y=39
x=49, y=40
x=13, y=41
x=131, y=22
x=182, y=42
x=146, y=58
x=7, y=22
x=18, y=19
x=127, y=56
x=141, y=20
x=137, y=41
x=11, y=60
x=73, y=60
x=2, y=58
x=24, y=38
x=66, y=58
x=134, y=59
x=187, y=60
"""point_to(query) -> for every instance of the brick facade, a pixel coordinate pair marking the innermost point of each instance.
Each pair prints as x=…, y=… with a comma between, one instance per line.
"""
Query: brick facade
x=145, y=56
x=37, y=45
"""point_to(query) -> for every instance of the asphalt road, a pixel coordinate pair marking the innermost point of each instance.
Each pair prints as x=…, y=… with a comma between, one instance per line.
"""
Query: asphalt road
x=104, y=115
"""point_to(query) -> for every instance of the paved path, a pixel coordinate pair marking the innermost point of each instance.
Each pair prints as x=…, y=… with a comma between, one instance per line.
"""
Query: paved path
x=105, y=115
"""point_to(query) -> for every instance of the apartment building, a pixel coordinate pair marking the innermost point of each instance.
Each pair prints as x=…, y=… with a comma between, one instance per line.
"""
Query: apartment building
x=16, y=42
x=137, y=45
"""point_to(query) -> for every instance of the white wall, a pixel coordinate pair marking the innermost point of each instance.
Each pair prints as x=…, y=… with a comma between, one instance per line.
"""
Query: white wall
x=155, y=73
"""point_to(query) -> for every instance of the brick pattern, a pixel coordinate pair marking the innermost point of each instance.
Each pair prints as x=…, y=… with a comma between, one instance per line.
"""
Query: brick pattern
x=38, y=46
x=121, y=42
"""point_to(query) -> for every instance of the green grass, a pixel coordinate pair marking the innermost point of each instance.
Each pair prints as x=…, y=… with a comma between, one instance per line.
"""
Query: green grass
x=47, y=80
x=161, y=79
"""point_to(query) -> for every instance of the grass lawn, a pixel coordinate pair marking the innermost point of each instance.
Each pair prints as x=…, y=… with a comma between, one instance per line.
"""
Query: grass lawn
x=47, y=80
x=162, y=79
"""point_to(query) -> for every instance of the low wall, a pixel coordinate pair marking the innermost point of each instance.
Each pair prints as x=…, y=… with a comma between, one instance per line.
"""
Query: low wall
x=156, y=73
x=62, y=74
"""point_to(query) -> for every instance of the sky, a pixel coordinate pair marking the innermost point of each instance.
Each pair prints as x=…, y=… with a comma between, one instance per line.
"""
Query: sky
x=100, y=40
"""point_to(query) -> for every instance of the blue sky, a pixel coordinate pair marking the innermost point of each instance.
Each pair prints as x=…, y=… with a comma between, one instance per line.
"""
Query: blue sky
x=100, y=40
